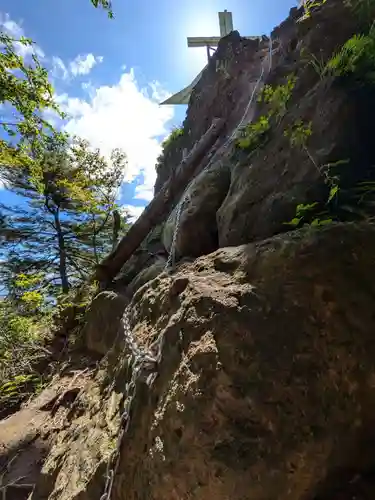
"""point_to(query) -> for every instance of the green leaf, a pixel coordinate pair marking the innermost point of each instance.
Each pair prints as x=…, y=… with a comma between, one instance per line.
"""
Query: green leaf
x=302, y=209
x=25, y=94
x=294, y=222
x=321, y=222
x=333, y=192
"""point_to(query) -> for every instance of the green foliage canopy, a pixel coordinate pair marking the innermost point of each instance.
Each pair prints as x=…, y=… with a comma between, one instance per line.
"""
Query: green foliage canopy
x=66, y=226
x=25, y=95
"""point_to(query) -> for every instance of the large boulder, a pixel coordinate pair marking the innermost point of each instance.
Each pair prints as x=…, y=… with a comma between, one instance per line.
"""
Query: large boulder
x=265, y=388
x=197, y=230
x=103, y=320
x=267, y=186
x=149, y=273
x=223, y=91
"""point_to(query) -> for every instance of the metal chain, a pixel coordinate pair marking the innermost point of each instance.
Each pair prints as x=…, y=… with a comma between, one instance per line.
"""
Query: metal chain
x=172, y=252
x=144, y=365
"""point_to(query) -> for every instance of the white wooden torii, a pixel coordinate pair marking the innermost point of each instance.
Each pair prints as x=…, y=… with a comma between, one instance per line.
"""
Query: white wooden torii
x=210, y=42
x=226, y=26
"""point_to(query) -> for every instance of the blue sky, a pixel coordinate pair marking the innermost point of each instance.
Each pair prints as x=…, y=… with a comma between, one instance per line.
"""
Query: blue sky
x=109, y=75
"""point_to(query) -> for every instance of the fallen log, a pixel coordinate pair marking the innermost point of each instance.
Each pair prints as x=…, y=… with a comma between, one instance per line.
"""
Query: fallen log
x=160, y=207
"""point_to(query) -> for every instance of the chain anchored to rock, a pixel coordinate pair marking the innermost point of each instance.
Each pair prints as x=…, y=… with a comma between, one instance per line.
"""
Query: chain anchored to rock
x=172, y=252
x=144, y=366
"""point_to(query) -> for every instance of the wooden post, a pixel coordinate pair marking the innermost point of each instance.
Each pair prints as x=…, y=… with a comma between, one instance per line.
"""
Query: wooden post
x=208, y=53
x=160, y=207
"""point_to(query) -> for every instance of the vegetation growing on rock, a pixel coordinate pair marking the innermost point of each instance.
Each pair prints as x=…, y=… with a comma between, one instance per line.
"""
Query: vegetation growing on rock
x=348, y=199
x=255, y=134
x=255, y=352
x=167, y=144
x=60, y=227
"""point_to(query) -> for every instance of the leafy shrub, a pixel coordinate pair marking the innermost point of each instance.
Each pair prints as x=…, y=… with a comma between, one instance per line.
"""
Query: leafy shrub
x=346, y=201
x=316, y=213
x=310, y=214
x=19, y=388
x=172, y=137
x=310, y=6
x=316, y=62
x=299, y=133
x=254, y=134
x=22, y=336
x=175, y=134
x=278, y=97
x=356, y=58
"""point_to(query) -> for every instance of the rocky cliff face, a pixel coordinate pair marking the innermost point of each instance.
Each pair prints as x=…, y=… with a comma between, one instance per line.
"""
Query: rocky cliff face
x=246, y=371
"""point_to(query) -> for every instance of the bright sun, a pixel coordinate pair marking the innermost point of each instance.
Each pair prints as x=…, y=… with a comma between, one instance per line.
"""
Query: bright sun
x=206, y=24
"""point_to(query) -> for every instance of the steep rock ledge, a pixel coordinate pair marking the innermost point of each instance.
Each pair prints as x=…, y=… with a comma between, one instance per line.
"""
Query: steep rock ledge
x=265, y=389
x=241, y=197
x=266, y=187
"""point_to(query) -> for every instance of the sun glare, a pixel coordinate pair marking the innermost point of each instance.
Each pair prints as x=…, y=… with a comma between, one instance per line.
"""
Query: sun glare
x=204, y=24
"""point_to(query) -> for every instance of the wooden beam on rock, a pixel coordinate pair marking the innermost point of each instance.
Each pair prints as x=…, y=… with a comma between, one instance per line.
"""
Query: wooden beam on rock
x=160, y=207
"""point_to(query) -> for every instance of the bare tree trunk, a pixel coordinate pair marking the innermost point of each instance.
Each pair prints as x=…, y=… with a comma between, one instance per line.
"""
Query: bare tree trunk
x=62, y=253
x=94, y=240
x=116, y=228
x=159, y=207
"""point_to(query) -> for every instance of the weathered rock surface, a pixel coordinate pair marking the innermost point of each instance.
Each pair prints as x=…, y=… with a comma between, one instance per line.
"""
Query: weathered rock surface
x=223, y=92
x=143, y=258
x=265, y=388
x=103, y=321
x=26, y=437
x=197, y=229
x=148, y=274
x=265, y=188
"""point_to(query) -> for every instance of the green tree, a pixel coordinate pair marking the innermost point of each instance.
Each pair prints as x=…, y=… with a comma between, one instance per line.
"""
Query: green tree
x=25, y=96
x=24, y=328
x=63, y=230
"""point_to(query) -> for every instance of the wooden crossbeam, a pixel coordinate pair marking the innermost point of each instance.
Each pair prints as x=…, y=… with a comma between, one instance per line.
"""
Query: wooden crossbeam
x=226, y=26
x=203, y=41
x=160, y=207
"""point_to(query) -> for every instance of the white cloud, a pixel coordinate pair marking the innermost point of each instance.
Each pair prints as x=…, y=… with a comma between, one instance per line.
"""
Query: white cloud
x=123, y=116
x=59, y=70
x=132, y=212
x=83, y=64
x=10, y=26
x=15, y=30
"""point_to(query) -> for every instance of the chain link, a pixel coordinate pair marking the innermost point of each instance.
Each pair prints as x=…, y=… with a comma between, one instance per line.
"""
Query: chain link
x=172, y=252
x=144, y=365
